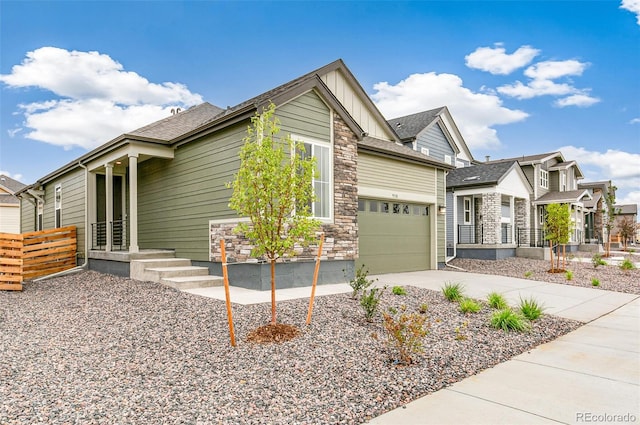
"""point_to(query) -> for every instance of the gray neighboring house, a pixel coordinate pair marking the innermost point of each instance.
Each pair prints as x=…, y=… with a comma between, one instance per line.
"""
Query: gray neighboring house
x=486, y=205
x=595, y=208
x=622, y=212
x=161, y=190
x=9, y=204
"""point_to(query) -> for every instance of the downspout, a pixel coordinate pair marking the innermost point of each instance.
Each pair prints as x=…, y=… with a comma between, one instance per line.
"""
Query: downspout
x=86, y=233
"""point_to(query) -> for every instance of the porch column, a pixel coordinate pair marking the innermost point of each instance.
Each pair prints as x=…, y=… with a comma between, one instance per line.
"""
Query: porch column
x=133, y=203
x=512, y=218
x=109, y=205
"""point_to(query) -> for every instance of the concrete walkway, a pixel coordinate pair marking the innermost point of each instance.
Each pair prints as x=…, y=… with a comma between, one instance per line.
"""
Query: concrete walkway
x=591, y=375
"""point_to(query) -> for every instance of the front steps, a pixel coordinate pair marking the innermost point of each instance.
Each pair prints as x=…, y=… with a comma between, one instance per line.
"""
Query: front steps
x=174, y=272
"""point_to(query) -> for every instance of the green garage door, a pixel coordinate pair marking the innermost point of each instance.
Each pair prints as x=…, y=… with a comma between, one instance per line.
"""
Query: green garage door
x=393, y=236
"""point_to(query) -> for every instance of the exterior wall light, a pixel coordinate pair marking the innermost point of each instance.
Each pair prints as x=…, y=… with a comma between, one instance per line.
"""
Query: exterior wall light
x=442, y=210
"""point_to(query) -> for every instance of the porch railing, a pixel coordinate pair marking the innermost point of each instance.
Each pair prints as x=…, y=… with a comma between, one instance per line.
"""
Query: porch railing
x=118, y=229
x=530, y=237
x=470, y=234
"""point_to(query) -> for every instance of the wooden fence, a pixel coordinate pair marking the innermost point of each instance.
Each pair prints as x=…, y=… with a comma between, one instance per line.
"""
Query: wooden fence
x=30, y=255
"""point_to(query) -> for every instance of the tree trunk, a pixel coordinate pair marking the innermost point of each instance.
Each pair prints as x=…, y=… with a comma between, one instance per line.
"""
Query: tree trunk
x=273, y=292
x=551, y=252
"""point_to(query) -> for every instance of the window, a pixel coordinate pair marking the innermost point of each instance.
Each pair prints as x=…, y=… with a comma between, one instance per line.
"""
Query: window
x=321, y=207
x=385, y=208
x=40, y=216
x=544, y=179
x=362, y=205
x=373, y=206
x=542, y=216
x=58, y=206
x=467, y=210
x=447, y=159
x=563, y=182
x=459, y=164
x=405, y=209
x=396, y=208
x=424, y=151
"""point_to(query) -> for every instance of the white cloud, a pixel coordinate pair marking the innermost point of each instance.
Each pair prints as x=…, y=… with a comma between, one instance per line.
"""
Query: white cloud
x=580, y=100
x=635, y=121
x=17, y=177
x=535, y=88
x=632, y=6
x=618, y=166
x=96, y=99
x=14, y=131
x=550, y=70
x=474, y=113
x=496, y=61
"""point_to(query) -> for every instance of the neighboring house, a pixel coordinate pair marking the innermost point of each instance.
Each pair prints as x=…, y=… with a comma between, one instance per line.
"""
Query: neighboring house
x=9, y=205
x=554, y=180
x=487, y=203
x=163, y=187
x=594, y=226
x=434, y=133
x=623, y=212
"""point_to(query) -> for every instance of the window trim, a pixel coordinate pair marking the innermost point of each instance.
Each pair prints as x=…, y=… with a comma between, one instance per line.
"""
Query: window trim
x=466, y=211
x=57, y=210
x=39, y=215
x=329, y=146
x=544, y=179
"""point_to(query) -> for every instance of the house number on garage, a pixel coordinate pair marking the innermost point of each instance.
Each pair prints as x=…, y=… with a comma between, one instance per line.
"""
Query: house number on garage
x=394, y=195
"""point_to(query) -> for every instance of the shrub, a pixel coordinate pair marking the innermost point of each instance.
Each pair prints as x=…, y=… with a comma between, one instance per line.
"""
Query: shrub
x=369, y=301
x=595, y=282
x=423, y=308
x=627, y=264
x=452, y=291
x=398, y=290
x=468, y=305
x=460, y=335
x=360, y=282
x=569, y=275
x=497, y=301
x=404, y=334
x=528, y=274
x=597, y=260
x=507, y=320
x=530, y=308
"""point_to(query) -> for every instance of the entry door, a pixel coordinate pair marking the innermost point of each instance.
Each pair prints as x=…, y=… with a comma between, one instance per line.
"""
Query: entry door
x=101, y=206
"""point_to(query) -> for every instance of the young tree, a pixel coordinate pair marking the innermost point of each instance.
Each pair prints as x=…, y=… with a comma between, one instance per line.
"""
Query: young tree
x=627, y=230
x=274, y=188
x=557, y=228
x=609, y=216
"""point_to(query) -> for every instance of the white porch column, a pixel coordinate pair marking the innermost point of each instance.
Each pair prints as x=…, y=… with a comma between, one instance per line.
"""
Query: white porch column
x=512, y=218
x=109, y=204
x=133, y=203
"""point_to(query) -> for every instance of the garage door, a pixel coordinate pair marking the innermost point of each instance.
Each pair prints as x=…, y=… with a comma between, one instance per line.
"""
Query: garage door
x=393, y=236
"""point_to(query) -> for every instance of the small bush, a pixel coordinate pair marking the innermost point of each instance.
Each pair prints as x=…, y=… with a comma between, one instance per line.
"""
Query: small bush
x=627, y=264
x=398, y=290
x=360, y=282
x=423, y=308
x=404, y=334
x=452, y=291
x=530, y=308
x=508, y=320
x=369, y=301
x=595, y=282
x=597, y=260
x=497, y=301
x=528, y=274
x=468, y=305
x=568, y=274
x=460, y=335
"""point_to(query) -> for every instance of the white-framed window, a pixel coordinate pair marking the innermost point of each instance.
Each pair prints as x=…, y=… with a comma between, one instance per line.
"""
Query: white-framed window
x=321, y=208
x=542, y=215
x=466, y=208
x=544, y=179
x=563, y=182
x=459, y=164
x=424, y=151
x=58, y=206
x=40, y=216
x=447, y=159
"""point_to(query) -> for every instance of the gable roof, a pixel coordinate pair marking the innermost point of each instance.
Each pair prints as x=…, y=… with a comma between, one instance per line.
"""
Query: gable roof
x=10, y=186
x=627, y=209
x=532, y=159
x=409, y=126
x=480, y=175
x=570, y=196
x=175, y=125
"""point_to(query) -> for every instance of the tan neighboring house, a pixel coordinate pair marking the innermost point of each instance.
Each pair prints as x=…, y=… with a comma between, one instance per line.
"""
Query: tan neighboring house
x=622, y=212
x=9, y=204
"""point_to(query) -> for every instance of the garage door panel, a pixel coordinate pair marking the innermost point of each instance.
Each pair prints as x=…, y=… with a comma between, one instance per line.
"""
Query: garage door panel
x=391, y=242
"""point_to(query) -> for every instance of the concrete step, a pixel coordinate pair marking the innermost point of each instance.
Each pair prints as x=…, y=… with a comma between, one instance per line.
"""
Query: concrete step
x=190, y=282
x=138, y=267
x=156, y=274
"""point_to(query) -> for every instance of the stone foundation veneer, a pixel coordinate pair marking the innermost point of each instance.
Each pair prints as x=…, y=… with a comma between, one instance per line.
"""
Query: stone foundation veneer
x=491, y=219
x=341, y=236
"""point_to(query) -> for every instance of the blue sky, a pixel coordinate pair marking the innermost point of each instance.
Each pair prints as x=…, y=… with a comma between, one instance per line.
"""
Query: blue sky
x=519, y=77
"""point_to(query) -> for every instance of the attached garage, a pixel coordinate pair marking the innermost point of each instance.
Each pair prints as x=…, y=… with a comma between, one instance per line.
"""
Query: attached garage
x=393, y=236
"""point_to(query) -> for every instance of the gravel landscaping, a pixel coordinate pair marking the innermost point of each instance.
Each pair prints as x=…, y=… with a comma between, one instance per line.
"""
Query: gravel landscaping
x=94, y=348
x=611, y=277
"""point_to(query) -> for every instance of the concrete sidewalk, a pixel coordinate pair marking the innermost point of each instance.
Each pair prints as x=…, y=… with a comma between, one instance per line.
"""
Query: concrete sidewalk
x=591, y=375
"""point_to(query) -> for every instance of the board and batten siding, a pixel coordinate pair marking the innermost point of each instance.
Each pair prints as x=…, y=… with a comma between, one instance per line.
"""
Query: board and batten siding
x=434, y=139
x=178, y=197
x=356, y=107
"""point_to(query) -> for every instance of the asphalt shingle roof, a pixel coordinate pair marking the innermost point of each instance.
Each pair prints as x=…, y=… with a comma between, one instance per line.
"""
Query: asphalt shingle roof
x=481, y=174
x=627, y=209
x=562, y=197
x=409, y=126
x=403, y=151
x=12, y=185
x=176, y=125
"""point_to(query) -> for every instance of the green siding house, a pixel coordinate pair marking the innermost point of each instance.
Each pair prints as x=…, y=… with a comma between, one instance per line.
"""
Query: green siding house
x=162, y=189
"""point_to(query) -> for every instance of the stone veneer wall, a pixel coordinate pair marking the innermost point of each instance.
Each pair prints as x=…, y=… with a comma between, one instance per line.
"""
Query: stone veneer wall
x=491, y=217
x=522, y=220
x=341, y=236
